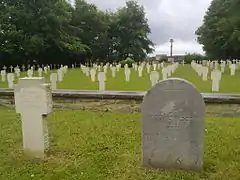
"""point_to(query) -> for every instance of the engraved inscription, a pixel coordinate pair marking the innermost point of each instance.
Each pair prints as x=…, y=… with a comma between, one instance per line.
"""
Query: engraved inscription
x=172, y=121
x=31, y=98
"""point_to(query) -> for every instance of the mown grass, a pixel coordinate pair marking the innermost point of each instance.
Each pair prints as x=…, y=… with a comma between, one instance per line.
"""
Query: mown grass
x=76, y=80
x=89, y=145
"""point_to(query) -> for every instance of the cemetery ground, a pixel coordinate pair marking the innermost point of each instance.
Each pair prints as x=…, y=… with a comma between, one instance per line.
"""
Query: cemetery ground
x=107, y=145
x=76, y=80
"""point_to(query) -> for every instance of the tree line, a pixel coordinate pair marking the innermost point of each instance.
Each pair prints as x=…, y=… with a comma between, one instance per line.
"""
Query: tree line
x=55, y=32
x=220, y=32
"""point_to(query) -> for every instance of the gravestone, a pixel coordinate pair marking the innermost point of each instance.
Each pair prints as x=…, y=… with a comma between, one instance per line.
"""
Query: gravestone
x=10, y=79
x=3, y=75
x=53, y=80
x=30, y=73
x=140, y=71
x=105, y=69
x=154, y=67
x=232, y=69
x=102, y=81
x=87, y=71
x=164, y=73
x=173, y=126
x=60, y=75
x=65, y=69
x=204, y=73
x=154, y=77
x=127, y=74
x=114, y=70
x=17, y=71
x=33, y=99
x=11, y=67
x=148, y=68
x=216, y=76
x=40, y=70
x=93, y=74
x=45, y=69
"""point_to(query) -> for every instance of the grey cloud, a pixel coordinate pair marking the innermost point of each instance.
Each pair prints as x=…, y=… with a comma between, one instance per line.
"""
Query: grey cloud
x=167, y=18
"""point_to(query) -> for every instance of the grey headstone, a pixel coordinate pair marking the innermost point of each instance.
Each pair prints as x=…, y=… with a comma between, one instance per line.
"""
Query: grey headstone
x=173, y=126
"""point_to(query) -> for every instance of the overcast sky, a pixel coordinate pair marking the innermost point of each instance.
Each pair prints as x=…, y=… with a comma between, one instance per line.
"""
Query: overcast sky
x=177, y=19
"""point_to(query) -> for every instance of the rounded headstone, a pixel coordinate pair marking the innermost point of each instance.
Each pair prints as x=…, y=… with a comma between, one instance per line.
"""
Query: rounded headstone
x=173, y=126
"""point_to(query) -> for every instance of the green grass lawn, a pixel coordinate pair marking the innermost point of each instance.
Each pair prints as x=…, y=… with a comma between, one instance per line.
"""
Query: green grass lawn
x=89, y=145
x=76, y=80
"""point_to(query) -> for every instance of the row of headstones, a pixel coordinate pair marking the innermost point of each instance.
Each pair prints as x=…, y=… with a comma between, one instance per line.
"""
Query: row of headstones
x=102, y=78
x=58, y=66
x=215, y=65
x=33, y=67
x=172, y=122
x=216, y=75
x=114, y=68
x=54, y=77
x=47, y=68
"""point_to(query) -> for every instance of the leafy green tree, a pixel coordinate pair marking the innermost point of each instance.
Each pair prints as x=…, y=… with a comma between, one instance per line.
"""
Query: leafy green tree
x=54, y=32
x=91, y=26
x=195, y=56
x=220, y=32
x=37, y=30
x=129, y=32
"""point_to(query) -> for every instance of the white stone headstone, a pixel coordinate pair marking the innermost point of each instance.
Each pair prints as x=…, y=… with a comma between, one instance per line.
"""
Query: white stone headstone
x=11, y=67
x=216, y=76
x=114, y=70
x=65, y=69
x=87, y=73
x=3, y=75
x=40, y=70
x=118, y=67
x=154, y=77
x=164, y=73
x=127, y=74
x=30, y=73
x=154, y=67
x=222, y=67
x=10, y=79
x=105, y=69
x=93, y=74
x=45, y=69
x=53, y=80
x=17, y=71
x=233, y=69
x=102, y=79
x=205, y=74
x=140, y=71
x=60, y=75
x=136, y=67
x=148, y=66
x=33, y=99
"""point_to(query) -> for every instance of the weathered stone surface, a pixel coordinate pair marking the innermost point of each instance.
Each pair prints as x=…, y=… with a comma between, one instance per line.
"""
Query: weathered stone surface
x=173, y=126
x=33, y=99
